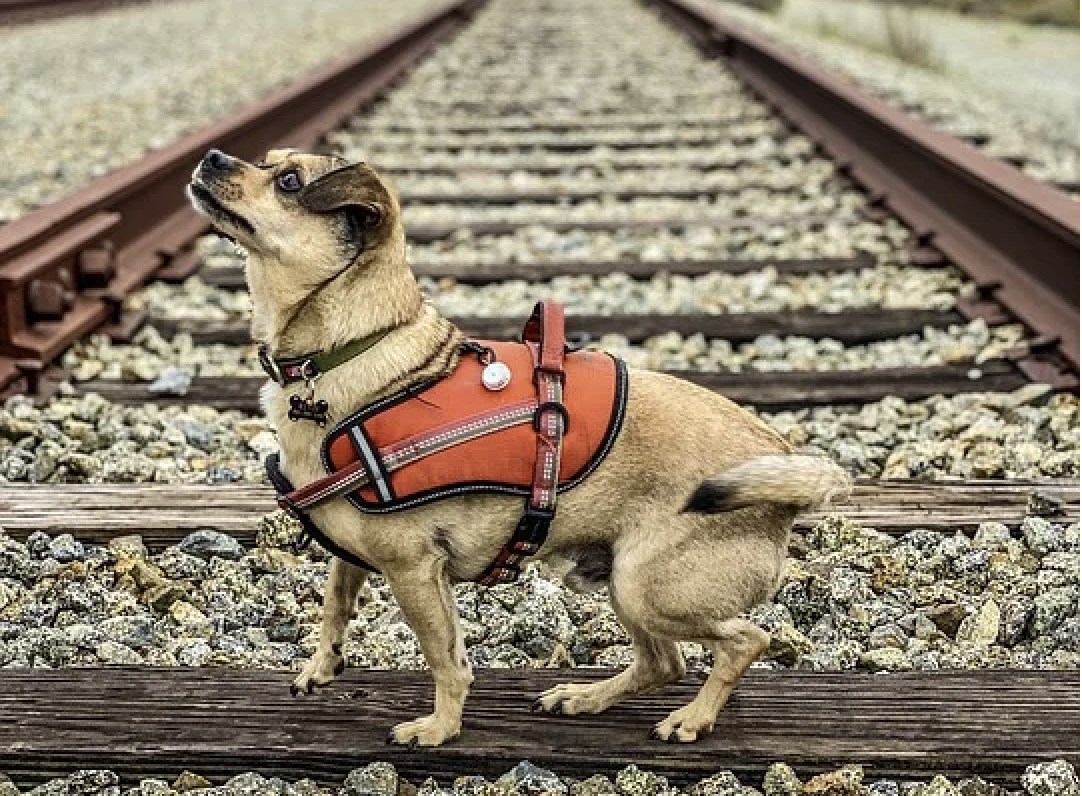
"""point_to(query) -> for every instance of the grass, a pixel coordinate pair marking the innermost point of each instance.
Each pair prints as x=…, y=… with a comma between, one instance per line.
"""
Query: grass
x=907, y=40
x=900, y=35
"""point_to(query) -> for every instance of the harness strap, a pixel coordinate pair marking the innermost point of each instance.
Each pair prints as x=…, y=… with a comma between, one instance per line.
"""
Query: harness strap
x=545, y=327
x=545, y=330
x=407, y=451
x=544, y=333
x=284, y=488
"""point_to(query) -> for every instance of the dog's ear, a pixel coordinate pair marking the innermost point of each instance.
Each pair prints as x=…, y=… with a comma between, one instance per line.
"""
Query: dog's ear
x=355, y=188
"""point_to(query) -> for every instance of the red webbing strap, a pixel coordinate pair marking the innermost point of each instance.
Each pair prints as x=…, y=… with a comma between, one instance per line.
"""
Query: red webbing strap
x=546, y=329
x=341, y=482
x=407, y=451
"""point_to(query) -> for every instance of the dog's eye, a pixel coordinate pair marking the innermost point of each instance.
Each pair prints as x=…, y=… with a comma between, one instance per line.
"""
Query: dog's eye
x=289, y=181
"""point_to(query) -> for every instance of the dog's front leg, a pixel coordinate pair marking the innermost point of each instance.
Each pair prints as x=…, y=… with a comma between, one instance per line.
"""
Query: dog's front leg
x=424, y=595
x=339, y=601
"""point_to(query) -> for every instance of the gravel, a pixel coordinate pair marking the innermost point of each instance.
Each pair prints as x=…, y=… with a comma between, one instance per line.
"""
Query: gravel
x=776, y=173
x=148, y=356
x=85, y=95
x=753, y=204
x=852, y=598
x=973, y=342
x=782, y=240
x=895, y=287
x=1022, y=107
x=1051, y=778
x=86, y=438
x=717, y=293
x=1029, y=433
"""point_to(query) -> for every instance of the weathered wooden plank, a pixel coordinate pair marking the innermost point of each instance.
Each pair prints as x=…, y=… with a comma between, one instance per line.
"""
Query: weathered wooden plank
x=597, y=164
x=488, y=273
x=850, y=327
x=380, y=145
x=144, y=722
x=575, y=195
x=165, y=513
x=529, y=124
x=773, y=391
x=429, y=233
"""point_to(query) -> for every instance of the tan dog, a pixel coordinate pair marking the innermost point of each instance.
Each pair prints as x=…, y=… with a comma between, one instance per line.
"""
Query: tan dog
x=327, y=265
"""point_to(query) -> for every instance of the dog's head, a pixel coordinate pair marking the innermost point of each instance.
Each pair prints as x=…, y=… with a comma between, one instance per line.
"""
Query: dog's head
x=319, y=207
x=305, y=220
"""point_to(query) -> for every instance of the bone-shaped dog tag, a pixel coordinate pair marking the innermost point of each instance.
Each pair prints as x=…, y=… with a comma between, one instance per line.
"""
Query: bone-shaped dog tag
x=302, y=409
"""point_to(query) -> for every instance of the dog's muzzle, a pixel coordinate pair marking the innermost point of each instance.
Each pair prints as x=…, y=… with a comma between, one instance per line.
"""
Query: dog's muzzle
x=217, y=164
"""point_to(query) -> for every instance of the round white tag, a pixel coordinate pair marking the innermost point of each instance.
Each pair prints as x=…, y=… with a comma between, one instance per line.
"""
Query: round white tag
x=496, y=376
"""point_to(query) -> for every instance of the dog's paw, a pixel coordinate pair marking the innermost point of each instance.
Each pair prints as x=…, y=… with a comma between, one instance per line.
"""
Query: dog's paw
x=320, y=670
x=686, y=725
x=430, y=730
x=571, y=699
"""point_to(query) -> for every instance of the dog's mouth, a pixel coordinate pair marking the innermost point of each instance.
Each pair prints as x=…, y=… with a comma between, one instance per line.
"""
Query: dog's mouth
x=218, y=212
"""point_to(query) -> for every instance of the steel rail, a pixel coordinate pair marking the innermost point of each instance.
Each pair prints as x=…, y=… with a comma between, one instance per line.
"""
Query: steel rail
x=1016, y=237
x=66, y=268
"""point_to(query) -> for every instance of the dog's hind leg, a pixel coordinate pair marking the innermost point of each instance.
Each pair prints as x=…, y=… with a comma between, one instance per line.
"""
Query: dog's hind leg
x=339, y=601
x=657, y=662
x=736, y=645
x=423, y=592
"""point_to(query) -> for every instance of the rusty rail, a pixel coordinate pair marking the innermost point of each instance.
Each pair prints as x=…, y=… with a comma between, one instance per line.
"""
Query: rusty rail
x=66, y=268
x=1017, y=238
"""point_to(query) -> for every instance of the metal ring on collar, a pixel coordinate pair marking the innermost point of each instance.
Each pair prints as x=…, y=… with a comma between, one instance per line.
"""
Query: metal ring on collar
x=309, y=370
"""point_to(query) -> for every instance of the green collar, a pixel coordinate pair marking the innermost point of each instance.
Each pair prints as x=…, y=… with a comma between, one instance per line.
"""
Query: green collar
x=291, y=370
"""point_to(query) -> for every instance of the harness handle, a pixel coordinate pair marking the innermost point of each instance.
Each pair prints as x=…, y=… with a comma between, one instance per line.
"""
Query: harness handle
x=546, y=328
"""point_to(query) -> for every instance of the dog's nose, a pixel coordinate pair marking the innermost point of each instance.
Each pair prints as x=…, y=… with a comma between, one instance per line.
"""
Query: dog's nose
x=217, y=162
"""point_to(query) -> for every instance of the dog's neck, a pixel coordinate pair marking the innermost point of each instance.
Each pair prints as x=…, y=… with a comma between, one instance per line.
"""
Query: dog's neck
x=371, y=298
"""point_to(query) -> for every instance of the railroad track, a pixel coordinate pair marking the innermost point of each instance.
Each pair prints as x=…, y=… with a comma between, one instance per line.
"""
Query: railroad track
x=815, y=249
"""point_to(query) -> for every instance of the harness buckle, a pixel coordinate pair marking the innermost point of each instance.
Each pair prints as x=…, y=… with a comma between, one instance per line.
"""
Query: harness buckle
x=269, y=365
x=288, y=506
x=502, y=574
x=551, y=406
x=532, y=530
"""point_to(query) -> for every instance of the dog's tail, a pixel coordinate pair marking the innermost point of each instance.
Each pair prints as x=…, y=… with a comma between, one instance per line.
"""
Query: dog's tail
x=801, y=481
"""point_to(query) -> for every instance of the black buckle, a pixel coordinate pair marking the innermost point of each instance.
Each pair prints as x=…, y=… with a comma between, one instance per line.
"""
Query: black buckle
x=288, y=506
x=502, y=574
x=269, y=365
x=532, y=530
x=551, y=406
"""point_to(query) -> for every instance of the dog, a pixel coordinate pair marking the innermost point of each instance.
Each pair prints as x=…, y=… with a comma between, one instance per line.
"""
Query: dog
x=686, y=520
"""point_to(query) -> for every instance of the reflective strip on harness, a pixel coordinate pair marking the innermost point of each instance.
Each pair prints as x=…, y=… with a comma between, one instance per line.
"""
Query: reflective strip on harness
x=403, y=453
x=368, y=456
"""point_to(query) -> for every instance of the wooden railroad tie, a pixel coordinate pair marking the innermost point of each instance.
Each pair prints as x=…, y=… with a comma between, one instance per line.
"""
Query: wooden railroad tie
x=219, y=722
x=469, y=273
x=850, y=327
x=764, y=390
x=165, y=513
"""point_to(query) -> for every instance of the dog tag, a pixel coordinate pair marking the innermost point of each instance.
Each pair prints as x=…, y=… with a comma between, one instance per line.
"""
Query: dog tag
x=496, y=376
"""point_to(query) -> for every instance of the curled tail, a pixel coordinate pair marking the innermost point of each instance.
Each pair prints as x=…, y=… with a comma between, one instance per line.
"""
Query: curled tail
x=801, y=481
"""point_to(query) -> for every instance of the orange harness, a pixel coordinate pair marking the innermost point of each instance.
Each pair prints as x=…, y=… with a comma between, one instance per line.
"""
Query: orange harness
x=527, y=418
